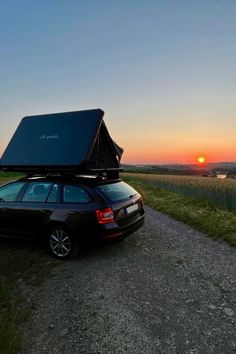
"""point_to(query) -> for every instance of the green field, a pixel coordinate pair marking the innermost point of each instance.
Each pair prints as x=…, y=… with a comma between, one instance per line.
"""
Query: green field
x=172, y=195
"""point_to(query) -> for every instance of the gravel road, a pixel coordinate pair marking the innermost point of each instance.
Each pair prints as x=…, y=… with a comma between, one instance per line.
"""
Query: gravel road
x=165, y=289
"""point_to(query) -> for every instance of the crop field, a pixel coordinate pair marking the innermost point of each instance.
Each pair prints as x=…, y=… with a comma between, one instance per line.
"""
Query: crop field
x=220, y=192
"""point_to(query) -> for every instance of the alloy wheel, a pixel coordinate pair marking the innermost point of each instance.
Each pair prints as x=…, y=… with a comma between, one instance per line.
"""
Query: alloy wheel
x=60, y=243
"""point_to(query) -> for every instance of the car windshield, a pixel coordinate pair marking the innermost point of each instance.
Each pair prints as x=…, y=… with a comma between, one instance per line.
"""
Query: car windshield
x=116, y=192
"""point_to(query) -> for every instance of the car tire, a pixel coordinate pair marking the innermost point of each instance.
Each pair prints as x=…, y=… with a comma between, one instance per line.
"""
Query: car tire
x=61, y=243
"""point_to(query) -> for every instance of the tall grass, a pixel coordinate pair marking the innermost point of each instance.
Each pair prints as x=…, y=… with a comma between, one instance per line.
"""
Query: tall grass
x=220, y=192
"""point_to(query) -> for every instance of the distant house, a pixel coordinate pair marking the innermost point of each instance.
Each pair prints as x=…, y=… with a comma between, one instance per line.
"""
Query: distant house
x=221, y=175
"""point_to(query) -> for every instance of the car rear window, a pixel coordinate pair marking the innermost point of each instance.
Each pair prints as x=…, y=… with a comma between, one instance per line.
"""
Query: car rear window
x=117, y=191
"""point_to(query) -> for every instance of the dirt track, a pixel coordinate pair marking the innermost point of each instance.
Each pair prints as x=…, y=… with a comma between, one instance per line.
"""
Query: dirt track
x=165, y=289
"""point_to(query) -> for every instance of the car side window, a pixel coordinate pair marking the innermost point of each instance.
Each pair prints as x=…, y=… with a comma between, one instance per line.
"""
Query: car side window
x=37, y=192
x=53, y=195
x=75, y=194
x=10, y=192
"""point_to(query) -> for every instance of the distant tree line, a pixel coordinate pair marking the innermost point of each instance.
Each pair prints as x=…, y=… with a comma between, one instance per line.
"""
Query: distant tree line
x=180, y=170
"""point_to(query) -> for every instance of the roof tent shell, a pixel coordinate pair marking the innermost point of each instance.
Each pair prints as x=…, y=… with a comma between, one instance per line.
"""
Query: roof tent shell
x=73, y=142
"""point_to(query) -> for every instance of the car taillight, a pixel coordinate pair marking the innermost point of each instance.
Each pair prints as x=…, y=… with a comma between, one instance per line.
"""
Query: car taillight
x=105, y=216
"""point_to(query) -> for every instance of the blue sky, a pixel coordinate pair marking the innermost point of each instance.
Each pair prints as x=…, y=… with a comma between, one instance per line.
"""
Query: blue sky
x=163, y=71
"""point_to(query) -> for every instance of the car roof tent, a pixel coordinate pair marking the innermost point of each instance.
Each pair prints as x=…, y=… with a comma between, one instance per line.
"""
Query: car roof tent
x=70, y=142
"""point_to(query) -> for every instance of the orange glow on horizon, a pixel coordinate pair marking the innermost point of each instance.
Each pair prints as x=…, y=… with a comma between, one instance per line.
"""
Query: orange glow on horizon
x=144, y=157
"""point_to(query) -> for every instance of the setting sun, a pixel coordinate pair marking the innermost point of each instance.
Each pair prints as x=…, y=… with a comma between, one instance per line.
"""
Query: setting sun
x=201, y=159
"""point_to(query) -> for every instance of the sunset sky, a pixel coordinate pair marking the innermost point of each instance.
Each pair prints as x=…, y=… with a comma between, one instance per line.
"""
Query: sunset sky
x=163, y=71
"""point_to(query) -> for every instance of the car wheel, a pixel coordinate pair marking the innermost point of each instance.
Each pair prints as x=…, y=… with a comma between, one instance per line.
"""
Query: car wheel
x=61, y=243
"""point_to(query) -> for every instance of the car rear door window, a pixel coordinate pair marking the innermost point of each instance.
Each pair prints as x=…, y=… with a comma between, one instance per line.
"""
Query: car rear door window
x=75, y=194
x=10, y=192
x=116, y=192
x=37, y=192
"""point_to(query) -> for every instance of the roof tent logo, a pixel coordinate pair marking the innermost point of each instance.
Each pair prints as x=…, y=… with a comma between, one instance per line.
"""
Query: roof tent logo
x=47, y=137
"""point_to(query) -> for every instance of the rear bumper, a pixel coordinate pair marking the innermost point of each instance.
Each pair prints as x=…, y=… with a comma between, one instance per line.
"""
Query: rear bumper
x=114, y=231
x=105, y=233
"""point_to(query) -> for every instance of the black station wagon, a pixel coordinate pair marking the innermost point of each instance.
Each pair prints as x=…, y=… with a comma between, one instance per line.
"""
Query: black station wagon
x=69, y=211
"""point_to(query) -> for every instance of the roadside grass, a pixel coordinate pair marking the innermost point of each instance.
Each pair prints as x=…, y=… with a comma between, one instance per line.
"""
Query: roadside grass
x=23, y=265
x=201, y=215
